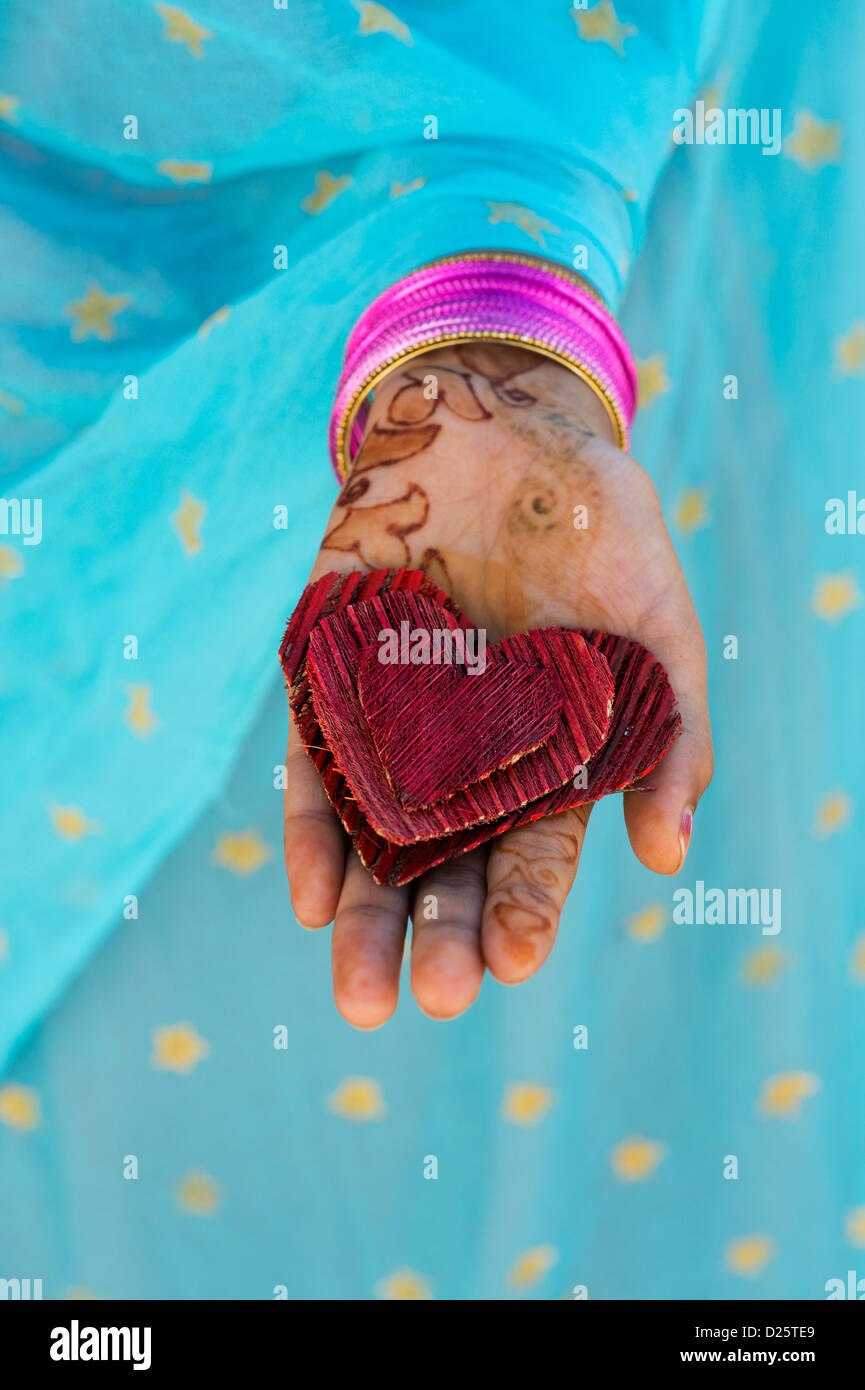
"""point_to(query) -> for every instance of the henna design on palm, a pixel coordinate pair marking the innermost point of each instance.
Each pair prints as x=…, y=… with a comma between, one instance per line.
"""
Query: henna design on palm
x=392, y=522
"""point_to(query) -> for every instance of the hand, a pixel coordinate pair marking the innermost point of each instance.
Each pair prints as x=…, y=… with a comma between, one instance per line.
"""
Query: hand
x=473, y=464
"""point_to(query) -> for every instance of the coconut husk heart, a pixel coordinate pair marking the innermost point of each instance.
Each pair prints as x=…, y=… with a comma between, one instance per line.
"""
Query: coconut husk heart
x=575, y=672
x=438, y=728
x=322, y=659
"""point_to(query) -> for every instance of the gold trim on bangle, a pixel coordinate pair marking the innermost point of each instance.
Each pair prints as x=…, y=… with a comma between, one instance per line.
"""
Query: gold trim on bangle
x=564, y=272
x=443, y=340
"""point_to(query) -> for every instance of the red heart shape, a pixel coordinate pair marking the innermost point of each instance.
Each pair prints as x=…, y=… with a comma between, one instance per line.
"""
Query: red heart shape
x=438, y=728
x=644, y=723
x=576, y=671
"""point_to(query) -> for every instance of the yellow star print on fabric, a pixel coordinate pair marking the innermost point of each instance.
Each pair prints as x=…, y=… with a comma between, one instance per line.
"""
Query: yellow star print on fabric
x=76, y=1294
x=399, y=190
x=636, y=1158
x=243, y=852
x=404, y=1285
x=180, y=27
x=187, y=522
x=532, y=1266
x=219, y=316
x=357, y=1098
x=178, y=1047
x=71, y=823
x=854, y=1226
x=526, y=1103
x=786, y=1092
x=813, y=142
x=185, y=170
x=648, y=923
x=601, y=24
x=327, y=188
x=94, y=314
x=12, y=404
x=749, y=1255
x=857, y=960
x=692, y=510
x=11, y=564
x=139, y=716
x=712, y=94
x=850, y=351
x=9, y=109
x=377, y=19
x=833, y=814
x=198, y=1193
x=19, y=1106
x=835, y=595
x=516, y=215
x=652, y=380
x=763, y=966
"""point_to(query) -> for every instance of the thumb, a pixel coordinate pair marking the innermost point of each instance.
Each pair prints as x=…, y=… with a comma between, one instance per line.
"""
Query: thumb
x=660, y=821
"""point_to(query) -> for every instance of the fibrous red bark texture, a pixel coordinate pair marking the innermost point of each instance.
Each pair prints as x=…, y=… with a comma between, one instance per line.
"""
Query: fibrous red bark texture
x=425, y=760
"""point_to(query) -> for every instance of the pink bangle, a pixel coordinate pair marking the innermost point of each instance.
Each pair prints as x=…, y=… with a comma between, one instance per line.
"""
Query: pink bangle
x=481, y=295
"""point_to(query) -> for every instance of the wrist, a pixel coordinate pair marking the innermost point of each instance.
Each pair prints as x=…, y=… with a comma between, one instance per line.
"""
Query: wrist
x=476, y=302
x=448, y=392
x=474, y=461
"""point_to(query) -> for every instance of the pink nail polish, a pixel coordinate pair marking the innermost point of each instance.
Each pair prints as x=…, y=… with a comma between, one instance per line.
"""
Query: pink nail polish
x=685, y=832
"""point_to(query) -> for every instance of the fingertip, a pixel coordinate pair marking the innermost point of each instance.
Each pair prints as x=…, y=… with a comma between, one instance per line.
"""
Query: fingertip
x=446, y=979
x=366, y=948
x=363, y=999
x=659, y=833
x=365, y=1017
x=517, y=935
x=509, y=972
x=312, y=916
x=440, y=1011
x=315, y=874
x=529, y=875
x=660, y=816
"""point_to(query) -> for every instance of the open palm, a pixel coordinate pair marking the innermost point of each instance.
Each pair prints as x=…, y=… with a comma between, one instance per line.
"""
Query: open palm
x=494, y=471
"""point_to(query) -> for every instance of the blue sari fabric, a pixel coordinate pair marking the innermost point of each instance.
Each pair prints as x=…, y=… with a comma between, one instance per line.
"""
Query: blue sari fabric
x=196, y=204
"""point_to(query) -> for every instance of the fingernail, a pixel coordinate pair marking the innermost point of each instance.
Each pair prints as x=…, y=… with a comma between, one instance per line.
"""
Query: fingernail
x=685, y=832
